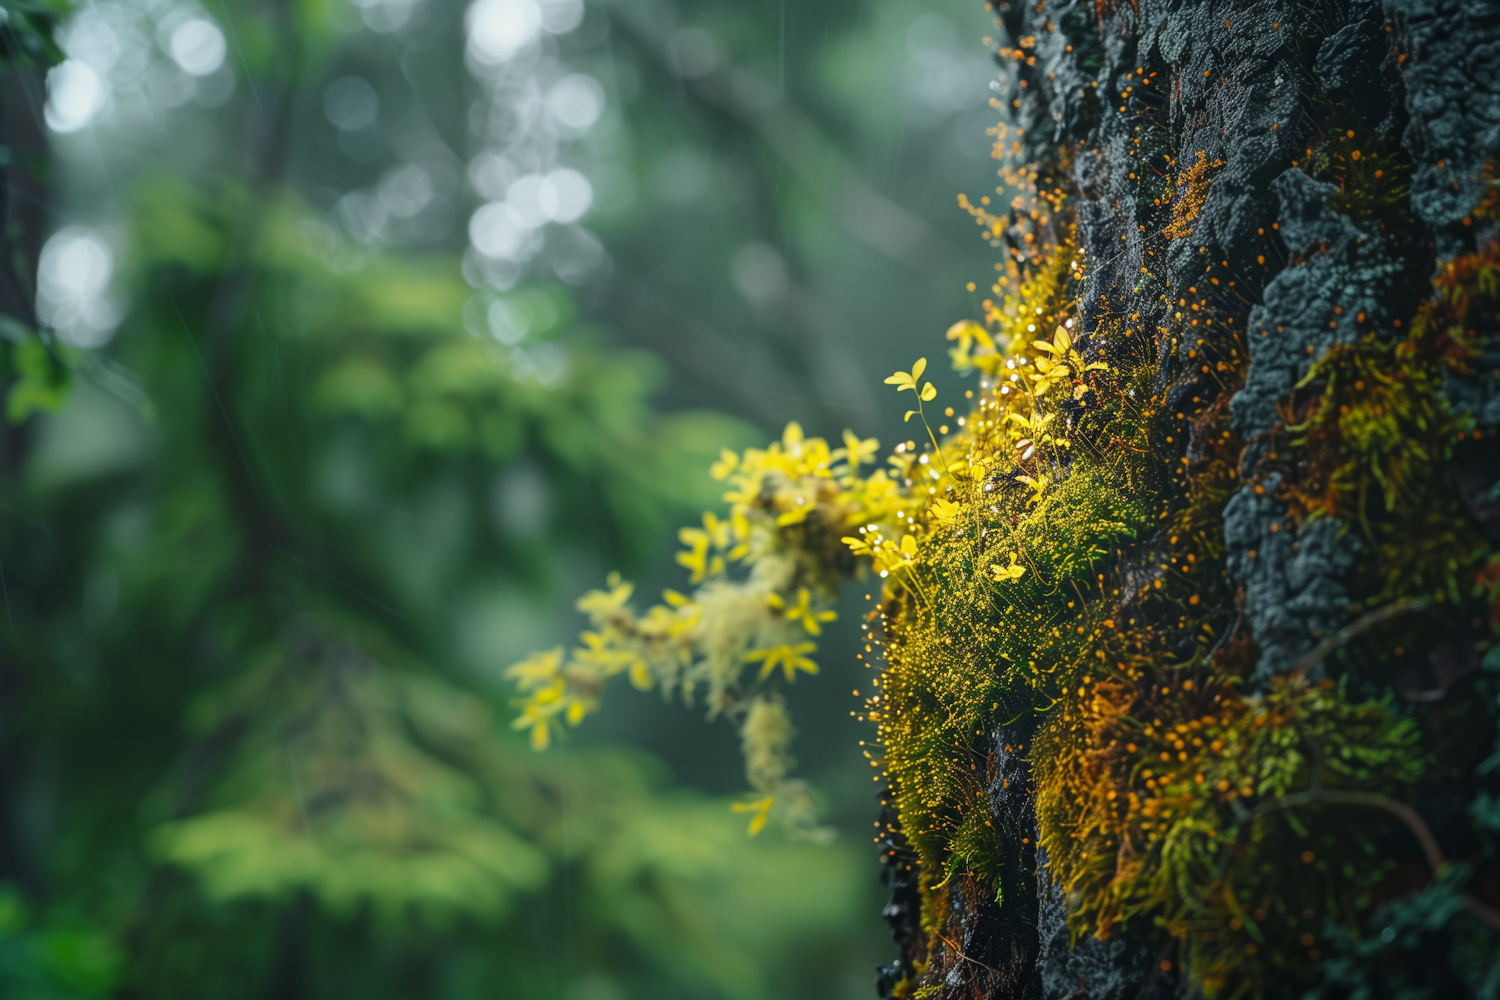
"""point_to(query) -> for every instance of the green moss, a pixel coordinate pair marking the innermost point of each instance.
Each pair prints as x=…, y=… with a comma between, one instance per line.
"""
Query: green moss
x=1076, y=603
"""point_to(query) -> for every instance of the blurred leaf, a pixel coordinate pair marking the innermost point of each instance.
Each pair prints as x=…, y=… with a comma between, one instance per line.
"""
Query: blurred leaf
x=42, y=382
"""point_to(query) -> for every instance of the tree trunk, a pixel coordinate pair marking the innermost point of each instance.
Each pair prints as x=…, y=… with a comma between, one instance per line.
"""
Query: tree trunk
x=1284, y=214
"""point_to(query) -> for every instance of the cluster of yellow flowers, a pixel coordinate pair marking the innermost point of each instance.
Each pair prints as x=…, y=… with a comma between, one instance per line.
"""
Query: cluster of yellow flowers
x=763, y=579
x=801, y=519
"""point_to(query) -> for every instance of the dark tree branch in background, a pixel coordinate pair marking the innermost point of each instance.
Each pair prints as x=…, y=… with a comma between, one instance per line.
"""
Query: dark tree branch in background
x=691, y=344
x=1413, y=821
x=699, y=351
x=25, y=210
x=799, y=143
x=745, y=102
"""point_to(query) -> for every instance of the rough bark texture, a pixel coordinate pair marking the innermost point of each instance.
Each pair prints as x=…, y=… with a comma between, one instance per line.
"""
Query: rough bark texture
x=1243, y=107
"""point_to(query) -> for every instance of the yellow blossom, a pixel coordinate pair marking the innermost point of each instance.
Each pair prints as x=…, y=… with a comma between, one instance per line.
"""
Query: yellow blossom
x=795, y=515
x=598, y=651
x=540, y=725
x=600, y=604
x=537, y=670
x=1051, y=373
x=803, y=611
x=857, y=545
x=726, y=464
x=1048, y=374
x=1038, y=486
x=760, y=808
x=1014, y=571
x=855, y=451
x=790, y=658
x=890, y=556
x=908, y=380
x=944, y=510
x=739, y=527
x=696, y=558
x=968, y=334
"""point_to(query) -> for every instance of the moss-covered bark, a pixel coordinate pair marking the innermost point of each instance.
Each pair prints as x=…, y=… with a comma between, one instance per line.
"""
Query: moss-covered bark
x=1243, y=695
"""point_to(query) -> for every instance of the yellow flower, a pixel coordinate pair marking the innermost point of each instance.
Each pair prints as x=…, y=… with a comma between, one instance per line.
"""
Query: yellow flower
x=969, y=335
x=944, y=510
x=791, y=438
x=908, y=380
x=790, y=658
x=1038, y=487
x=760, y=808
x=803, y=611
x=1062, y=343
x=880, y=488
x=889, y=556
x=796, y=515
x=600, y=604
x=640, y=676
x=537, y=670
x=739, y=526
x=1048, y=374
x=540, y=725
x=1051, y=373
x=611, y=660
x=718, y=531
x=696, y=558
x=1000, y=573
x=857, y=452
x=857, y=545
x=726, y=464
x=679, y=616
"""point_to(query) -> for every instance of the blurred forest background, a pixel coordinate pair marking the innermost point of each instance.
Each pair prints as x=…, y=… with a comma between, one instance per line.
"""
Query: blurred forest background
x=345, y=343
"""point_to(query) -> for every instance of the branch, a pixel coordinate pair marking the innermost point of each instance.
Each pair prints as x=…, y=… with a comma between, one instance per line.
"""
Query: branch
x=1363, y=623
x=807, y=150
x=1397, y=808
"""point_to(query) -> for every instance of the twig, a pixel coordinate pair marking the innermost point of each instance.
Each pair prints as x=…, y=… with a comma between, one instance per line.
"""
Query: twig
x=1395, y=807
x=960, y=953
x=1413, y=820
x=1363, y=623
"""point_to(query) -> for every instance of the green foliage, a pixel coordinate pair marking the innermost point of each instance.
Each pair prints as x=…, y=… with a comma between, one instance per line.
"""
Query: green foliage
x=40, y=381
x=286, y=538
x=375, y=814
x=55, y=959
x=1405, y=932
x=30, y=26
x=34, y=368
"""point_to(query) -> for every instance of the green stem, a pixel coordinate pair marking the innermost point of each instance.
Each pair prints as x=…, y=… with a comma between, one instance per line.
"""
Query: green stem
x=932, y=437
